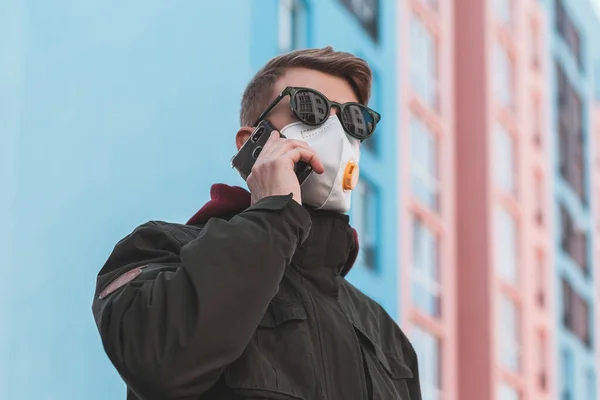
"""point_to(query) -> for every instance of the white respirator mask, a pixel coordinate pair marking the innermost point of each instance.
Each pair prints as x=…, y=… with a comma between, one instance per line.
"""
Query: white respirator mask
x=339, y=153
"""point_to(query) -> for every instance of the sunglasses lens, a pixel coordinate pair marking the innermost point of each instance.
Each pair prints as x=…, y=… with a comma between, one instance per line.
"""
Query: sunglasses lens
x=310, y=107
x=358, y=121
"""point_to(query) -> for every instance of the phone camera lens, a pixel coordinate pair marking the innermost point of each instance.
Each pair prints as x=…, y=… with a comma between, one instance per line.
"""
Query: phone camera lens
x=258, y=134
x=256, y=152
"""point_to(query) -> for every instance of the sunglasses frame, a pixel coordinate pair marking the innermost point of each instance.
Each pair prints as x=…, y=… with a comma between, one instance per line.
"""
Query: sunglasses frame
x=292, y=91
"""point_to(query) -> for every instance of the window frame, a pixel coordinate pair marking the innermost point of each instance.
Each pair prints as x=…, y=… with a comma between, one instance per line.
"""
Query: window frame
x=421, y=339
x=507, y=180
x=576, y=312
x=504, y=388
x=566, y=364
x=294, y=12
x=542, y=361
x=509, y=276
x=504, y=10
x=426, y=277
x=357, y=9
x=424, y=177
x=369, y=254
x=424, y=63
x=509, y=345
x=568, y=32
x=504, y=89
x=571, y=157
x=372, y=144
x=574, y=241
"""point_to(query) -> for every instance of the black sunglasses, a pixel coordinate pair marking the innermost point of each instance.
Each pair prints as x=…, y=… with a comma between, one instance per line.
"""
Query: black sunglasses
x=313, y=108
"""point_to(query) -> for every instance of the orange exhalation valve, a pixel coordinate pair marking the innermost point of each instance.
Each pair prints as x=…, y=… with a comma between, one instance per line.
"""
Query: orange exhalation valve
x=350, y=176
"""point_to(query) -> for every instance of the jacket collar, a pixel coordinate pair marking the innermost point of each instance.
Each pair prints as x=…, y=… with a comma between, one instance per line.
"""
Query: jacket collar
x=226, y=201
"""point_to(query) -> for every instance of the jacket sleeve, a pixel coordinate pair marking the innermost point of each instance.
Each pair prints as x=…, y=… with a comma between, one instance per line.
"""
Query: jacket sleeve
x=172, y=330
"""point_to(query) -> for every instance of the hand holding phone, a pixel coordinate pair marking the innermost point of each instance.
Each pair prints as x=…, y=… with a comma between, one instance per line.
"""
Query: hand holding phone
x=246, y=157
x=267, y=162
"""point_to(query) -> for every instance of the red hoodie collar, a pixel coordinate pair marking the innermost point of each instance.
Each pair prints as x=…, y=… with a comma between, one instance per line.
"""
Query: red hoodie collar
x=227, y=200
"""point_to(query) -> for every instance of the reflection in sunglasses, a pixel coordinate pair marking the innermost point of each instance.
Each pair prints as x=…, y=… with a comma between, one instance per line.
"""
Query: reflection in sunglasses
x=310, y=107
x=313, y=108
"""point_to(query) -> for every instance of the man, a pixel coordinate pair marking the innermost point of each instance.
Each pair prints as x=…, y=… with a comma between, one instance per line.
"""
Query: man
x=248, y=300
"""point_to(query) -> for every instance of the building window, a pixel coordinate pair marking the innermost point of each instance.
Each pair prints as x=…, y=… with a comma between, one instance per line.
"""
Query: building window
x=503, y=10
x=536, y=47
x=508, y=345
x=539, y=201
x=424, y=175
x=367, y=13
x=566, y=363
x=576, y=313
x=506, y=245
x=537, y=123
x=542, y=362
x=504, y=159
x=433, y=4
x=423, y=62
x=506, y=392
x=541, y=280
x=426, y=291
x=597, y=83
x=567, y=30
x=292, y=25
x=590, y=385
x=365, y=219
x=503, y=77
x=573, y=240
x=428, y=352
x=372, y=144
x=570, y=134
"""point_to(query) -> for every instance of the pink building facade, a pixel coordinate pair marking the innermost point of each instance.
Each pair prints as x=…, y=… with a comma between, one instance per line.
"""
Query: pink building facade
x=473, y=176
x=503, y=190
x=492, y=143
x=427, y=172
x=596, y=191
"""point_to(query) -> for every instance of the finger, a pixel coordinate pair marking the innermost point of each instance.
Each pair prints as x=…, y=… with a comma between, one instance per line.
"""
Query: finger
x=300, y=154
x=273, y=137
x=283, y=146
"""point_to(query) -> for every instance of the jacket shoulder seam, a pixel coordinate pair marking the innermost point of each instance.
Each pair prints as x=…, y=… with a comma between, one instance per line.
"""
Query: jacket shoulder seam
x=170, y=229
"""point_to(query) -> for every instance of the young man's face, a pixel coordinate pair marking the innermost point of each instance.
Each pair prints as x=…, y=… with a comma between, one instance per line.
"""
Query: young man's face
x=334, y=88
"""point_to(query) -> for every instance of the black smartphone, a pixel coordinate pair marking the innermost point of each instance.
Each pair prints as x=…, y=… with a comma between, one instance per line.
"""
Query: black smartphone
x=245, y=158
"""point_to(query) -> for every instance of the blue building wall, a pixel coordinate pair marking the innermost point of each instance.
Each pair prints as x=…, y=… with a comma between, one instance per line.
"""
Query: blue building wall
x=107, y=114
x=575, y=370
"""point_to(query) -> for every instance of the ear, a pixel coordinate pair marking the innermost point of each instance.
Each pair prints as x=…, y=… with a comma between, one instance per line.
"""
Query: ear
x=242, y=135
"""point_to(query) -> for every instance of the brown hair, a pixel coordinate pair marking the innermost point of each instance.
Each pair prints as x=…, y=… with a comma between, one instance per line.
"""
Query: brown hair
x=259, y=91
